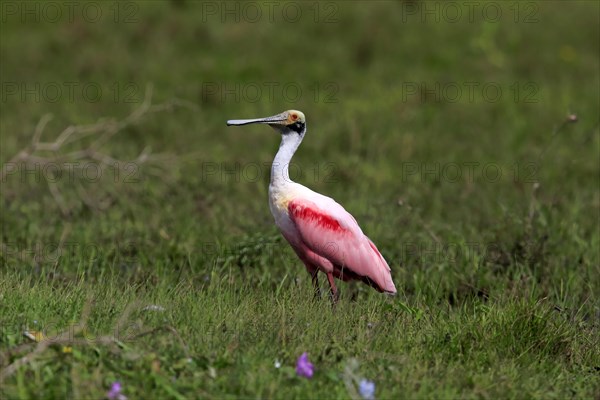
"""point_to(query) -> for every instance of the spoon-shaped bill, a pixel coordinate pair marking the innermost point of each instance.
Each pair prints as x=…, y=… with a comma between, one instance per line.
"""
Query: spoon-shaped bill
x=275, y=119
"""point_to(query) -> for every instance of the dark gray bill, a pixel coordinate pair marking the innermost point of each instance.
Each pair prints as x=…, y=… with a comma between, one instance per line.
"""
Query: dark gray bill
x=268, y=120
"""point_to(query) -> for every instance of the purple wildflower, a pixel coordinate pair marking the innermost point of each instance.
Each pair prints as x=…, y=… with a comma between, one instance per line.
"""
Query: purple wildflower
x=366, y=389
x=304, y=367
x=115, y=392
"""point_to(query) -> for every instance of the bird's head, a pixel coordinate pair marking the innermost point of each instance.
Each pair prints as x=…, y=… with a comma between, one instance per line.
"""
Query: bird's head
x=291, y=121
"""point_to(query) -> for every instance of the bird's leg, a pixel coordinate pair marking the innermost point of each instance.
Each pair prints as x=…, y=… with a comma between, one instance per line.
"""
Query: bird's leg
x=335, y=294
x=315, y=282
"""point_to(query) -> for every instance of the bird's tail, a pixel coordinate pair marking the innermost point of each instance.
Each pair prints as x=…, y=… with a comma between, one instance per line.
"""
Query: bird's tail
x=385, y=283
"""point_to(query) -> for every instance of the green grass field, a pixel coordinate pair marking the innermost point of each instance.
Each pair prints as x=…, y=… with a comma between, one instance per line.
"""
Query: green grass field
x=463, y=138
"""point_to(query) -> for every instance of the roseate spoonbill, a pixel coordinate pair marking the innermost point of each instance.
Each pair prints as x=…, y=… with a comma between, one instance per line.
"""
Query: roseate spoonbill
x=321, y=232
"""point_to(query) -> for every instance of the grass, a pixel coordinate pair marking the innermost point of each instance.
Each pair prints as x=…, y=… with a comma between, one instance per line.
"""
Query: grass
x=497, y=269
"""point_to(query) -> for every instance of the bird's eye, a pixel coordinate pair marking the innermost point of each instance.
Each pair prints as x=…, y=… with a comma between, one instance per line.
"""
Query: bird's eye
x=294, y=117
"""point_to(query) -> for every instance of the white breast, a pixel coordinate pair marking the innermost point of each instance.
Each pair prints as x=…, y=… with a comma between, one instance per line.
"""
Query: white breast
x=279, y=199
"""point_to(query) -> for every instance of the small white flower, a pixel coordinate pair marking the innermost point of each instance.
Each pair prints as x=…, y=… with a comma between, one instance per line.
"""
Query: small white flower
x=277, y=364
x=153, y=307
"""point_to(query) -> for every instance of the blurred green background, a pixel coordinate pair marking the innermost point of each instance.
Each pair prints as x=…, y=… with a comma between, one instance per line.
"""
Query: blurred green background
x=462, y=136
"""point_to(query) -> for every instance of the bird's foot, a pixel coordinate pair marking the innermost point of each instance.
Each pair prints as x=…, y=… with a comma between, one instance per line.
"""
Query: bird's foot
x=335, y=298
x=317, y=295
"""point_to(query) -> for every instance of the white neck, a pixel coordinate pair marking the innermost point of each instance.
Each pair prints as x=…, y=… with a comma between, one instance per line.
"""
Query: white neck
x=280, y=169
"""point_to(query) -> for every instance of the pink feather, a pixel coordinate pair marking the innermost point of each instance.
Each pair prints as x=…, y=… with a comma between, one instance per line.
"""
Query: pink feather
x=330, y=238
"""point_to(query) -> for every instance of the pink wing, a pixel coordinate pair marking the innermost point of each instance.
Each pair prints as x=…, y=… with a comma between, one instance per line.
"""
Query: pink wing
x=328, y=230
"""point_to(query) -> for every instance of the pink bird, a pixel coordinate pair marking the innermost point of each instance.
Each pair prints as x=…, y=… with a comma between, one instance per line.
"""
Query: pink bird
x=322, y=233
